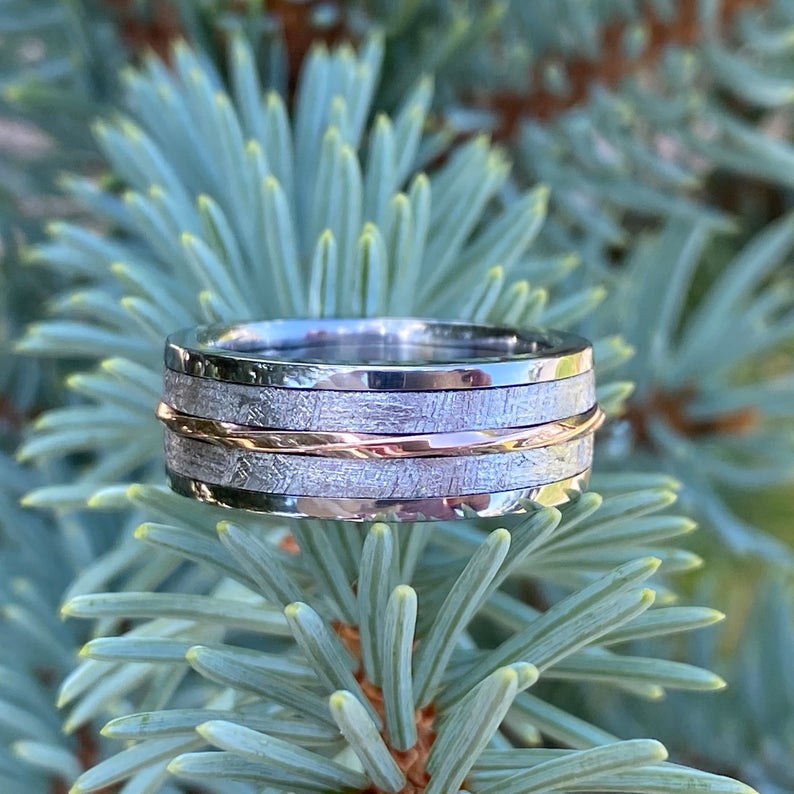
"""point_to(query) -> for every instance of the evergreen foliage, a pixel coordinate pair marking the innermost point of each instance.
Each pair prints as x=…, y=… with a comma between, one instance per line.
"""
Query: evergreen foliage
x=757, y=746
x=225, y=651
x=724, y=434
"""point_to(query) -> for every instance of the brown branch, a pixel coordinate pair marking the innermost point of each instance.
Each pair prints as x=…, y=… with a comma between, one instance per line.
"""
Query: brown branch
x=89, y=755
x=299, y=32
x=671, y=407
x=162, y=26
x=582, y=72
x=412, y=762
x=157, y=30
x=154, y=32
x=10, y=414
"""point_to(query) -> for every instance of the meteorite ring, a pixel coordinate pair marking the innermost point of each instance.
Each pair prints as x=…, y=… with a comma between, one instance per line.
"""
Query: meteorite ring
x=398, y=419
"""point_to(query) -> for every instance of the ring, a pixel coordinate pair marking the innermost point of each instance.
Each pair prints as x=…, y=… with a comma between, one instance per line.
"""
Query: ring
x=398, y=419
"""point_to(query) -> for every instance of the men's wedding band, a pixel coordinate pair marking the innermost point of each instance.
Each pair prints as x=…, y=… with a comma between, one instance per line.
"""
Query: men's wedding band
x=400, y=419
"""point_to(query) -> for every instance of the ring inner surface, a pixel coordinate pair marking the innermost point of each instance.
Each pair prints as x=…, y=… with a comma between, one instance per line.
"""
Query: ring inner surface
x=427, y=345
x=374, y=350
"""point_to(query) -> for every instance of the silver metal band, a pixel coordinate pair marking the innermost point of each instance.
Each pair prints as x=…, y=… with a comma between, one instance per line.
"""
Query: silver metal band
x=381, y=354
x=434, y=411
x=357, y=418
x=484, y=505
x=376, y=478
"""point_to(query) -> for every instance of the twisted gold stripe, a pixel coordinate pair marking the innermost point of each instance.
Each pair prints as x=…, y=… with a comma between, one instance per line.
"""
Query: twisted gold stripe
x=377, y=445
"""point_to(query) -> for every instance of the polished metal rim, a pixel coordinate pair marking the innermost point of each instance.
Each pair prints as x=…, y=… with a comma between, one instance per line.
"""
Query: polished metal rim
x=383, y=354
x=486, y=505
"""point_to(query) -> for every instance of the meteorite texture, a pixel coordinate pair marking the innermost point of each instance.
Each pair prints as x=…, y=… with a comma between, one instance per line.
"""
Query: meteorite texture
x=376, y=478
x=435, y=411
